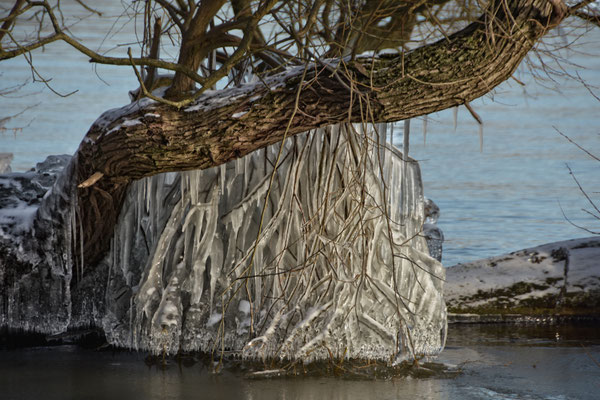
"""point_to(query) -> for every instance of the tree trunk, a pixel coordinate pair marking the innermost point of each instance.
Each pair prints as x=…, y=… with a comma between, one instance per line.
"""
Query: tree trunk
x=147, y=138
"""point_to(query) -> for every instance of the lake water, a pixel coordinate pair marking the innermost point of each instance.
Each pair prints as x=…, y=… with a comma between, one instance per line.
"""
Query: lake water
x=494, y=362
x=506, y=197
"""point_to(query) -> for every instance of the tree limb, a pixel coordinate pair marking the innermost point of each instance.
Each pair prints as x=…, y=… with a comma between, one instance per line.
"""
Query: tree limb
x=147, y=138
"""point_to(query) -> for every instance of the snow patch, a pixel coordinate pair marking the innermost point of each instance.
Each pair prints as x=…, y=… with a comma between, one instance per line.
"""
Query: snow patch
x=239, y=114
x=131, y=122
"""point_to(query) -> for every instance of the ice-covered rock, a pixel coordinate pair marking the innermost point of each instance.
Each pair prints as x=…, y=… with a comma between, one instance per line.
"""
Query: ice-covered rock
x=555, y=278
x=35, y=249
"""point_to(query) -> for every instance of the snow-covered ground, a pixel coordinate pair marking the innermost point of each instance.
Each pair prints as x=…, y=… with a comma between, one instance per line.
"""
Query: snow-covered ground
x=563, y=277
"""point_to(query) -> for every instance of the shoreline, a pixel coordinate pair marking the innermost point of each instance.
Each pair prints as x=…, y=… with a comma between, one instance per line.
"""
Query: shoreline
x=553, y=282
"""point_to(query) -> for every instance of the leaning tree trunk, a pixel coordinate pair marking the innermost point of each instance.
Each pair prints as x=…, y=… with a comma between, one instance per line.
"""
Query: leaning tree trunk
x=147, y=138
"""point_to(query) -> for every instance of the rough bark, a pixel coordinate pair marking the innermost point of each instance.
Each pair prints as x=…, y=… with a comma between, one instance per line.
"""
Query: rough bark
x=149, y=138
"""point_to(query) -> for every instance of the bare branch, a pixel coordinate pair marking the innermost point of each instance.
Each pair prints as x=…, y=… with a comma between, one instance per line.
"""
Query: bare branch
x=579, y=6
x=173, y=12
x=82, y=4
x=10, y=19
x=583, y=191
x=583, y=228
x=595, y=19
x=576, y=144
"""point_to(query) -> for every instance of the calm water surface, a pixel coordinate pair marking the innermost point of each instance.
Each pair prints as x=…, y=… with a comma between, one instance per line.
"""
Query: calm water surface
x=497, y=362
x=506, y=197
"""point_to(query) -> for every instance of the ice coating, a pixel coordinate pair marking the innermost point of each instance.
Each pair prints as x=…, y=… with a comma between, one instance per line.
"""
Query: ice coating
x=330, y=274
x=36, y=260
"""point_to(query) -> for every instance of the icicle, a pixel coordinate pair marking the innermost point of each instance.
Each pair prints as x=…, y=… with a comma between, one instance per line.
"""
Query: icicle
x=455, y=115
x=406, y=140
x=126, y=245
x=132, y=345
x=111, y=262
x=425, y=122
x=222, y=177
x=247, y=174
x=239, y=165
x=81, y=245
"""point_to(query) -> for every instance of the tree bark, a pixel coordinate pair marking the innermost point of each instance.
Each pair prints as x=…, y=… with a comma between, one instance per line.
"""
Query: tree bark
x=147, y=138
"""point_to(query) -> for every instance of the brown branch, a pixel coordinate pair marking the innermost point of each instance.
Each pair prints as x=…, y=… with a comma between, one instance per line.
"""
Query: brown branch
x=580, y=5
x=154, y=50
x=90, y=9
x=191, y=54
x=594, y=206
x=10, y=19
x=94, y=57
x=238, y=54
x=594, y=19
x=576, y=144
x=100, y=59
x=173, y=12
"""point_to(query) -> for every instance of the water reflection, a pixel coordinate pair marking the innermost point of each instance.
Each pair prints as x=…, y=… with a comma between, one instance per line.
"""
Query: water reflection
x=497, y=362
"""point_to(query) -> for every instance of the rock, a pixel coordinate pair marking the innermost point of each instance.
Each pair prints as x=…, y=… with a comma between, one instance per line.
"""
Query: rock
x=558, y=279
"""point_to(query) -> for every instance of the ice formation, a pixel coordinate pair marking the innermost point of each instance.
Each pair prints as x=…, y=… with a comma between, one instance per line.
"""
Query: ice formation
x=333, y=265
x=304, y=250
x=432, y=232
x=35, y=247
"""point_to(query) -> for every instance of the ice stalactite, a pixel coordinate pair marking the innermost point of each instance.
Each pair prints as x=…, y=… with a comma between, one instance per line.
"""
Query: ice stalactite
x=322, y=258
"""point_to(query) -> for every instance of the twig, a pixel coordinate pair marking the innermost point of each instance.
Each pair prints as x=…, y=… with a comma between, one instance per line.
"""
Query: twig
x=576, y=144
